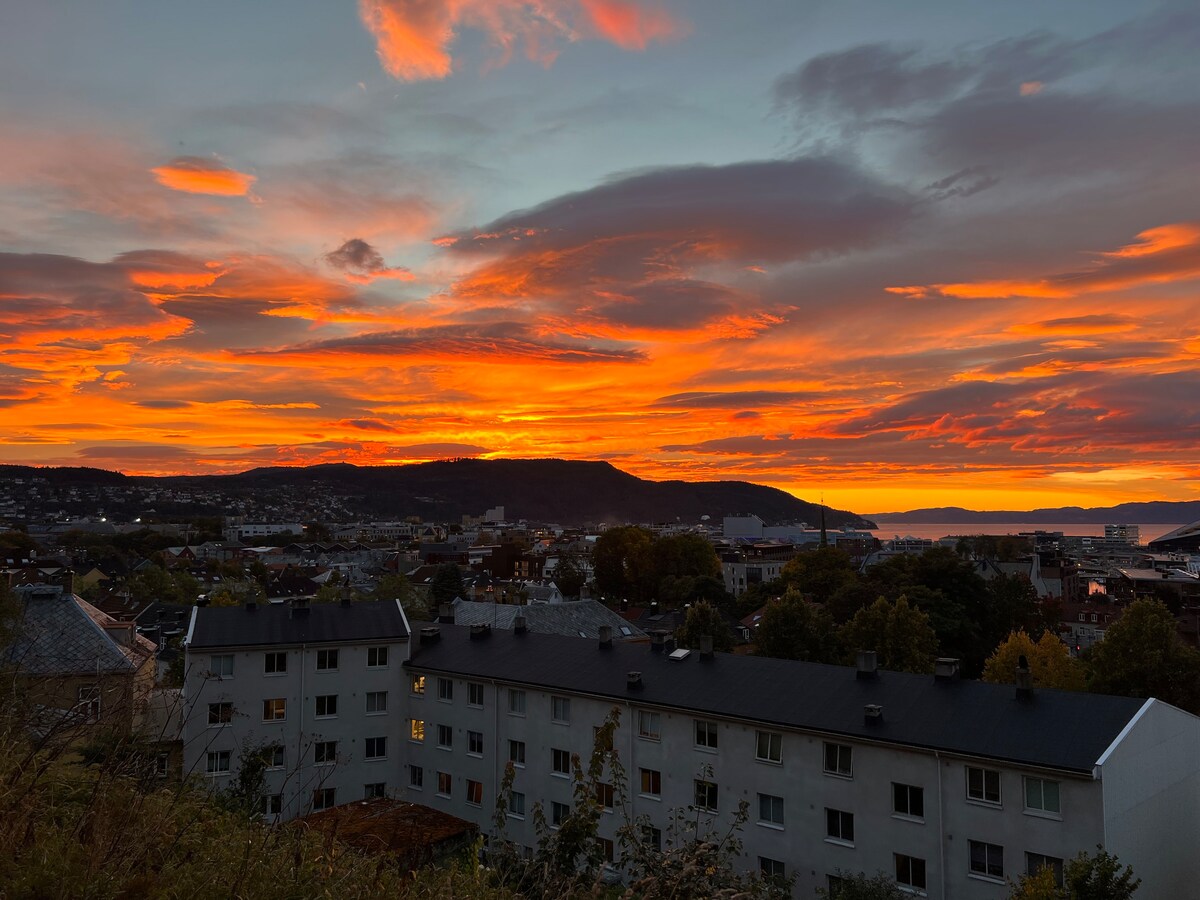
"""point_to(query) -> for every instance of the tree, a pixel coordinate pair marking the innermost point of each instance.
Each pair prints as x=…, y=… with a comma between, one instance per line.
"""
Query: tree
x=818, y=574
x=899, y=633
x=621, y=563
x=397, y=587
x=569, y=575
x=795, y=629
x=704, y=619
x=1099, y=877
x=1011, y=605
x=1042, y=885
x=446, y=584
x=1142, y=656
x=863, y=887
x=1049, y=661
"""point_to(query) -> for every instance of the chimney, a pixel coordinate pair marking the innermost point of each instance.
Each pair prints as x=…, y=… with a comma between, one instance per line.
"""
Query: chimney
x=1024, y=679
x=250, y=604
x=479, y=632
x=873, y=714
x=945, y=668
x=605, y=637
x=298, y=608
x=346, y=601
x=430, y=634
x=658, y=640
x=706, y=646
x=446, y=613
x=520, y=625
x=634, y=681
x=868, y=665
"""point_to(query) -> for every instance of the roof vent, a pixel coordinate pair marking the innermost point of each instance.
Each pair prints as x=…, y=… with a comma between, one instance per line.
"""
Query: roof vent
x=1024, y=679
x=520, y=624
x=658, y=640
x=945, y=668
x=430, y=634
x=868, y=665
x=634, y=681
x=605, y=637
x=446, y=614
x=479, y=632
x=873, y=714
x=706, y=646
x=680, y=655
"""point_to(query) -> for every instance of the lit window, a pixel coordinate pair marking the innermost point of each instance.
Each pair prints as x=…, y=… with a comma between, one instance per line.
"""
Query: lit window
x=375, y=748
x=221, y=666
x=986, y=859
x=326, y=706
x=474, y=693
x=220, y=714
x=376, y=702
x=983, y=785
x=649, y=725
x=560, y=710
x=1041, y=795
x=416, y=685
x=768, y=746
x=446, y=689
x=651, y=782
x=516, y=702
x=416, y=730
x=324, y=798
x=910, y=871
x=474, y=792
x=770, y=809
x=275, y=710
x=908, y=800
x=560, y=761
x=516, y=753
x=217, y=762
x=325, y=753
x=839, y=760
x=839, y=825
x=706, y=795
x=275, y=663
x=327, y=660
x=706, y=735
x=377, y=657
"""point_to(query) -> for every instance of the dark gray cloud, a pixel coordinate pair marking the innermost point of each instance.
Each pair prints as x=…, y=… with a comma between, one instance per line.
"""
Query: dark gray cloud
x=735, y=399
x=360, y=260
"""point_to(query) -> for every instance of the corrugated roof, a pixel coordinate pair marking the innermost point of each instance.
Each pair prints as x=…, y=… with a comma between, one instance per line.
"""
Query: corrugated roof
x=276, y=625
x=1056, y=729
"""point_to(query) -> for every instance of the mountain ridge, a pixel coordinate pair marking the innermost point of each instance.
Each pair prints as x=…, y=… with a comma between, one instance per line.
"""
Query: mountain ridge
x=1149, y=512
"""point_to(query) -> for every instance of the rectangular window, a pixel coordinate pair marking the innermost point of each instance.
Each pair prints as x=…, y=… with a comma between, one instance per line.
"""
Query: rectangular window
x=706, y=795
x=325, y=753
x=446, y=689
x=1035, y=862
x=604, y=795
x=607, y=848
x=326, y=706
x=443, y=786
x=560, y=761
x=651, y=782
x=839, y=760
x=416, y=777
x=558, y=813
x=768, y=746
x=217, y=762
x=516, y=805
x=375, y=791
x=770, y=809
x=324, y=798
x=274, y=756
x=839, y=825
x=986, y=859
x=221, y=665
x=516, y=753
x=474, y=792
x=908, y=800
x=983, y=785
x=445, y=737
x=475, y=743
x=649, y=725
x=706, y=735
x=327, y=660
x=272, y=804
x=516, y=702
x=416, y=685
x=375, y=748
x=910, y=871
x=474, y=693
x=88, y=701
x=376, y=702
x=416, y=730
x=162, y=764
x=560, y=710
x=602, y=740
x=652, y=836
x=771, y=868
x=275, y=663
x=1041, y=795
x=220, y=714
x=377, y=657
x=275, y=710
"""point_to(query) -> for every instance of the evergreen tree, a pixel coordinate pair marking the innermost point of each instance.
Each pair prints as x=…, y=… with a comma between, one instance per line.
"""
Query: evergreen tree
x=704, y=619
x=899, y=633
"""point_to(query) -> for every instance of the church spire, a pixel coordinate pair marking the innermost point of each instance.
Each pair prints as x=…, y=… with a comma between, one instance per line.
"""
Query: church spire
x=824, y=535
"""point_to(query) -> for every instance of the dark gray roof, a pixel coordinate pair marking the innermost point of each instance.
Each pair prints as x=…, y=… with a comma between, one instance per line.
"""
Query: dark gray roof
x=1056, y=729
x=570, y=618
x=277, y=625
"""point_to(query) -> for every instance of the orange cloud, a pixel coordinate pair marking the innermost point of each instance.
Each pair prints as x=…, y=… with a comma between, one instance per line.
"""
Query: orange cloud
x=1029, y=88
x=629, y=25
x=197, y=175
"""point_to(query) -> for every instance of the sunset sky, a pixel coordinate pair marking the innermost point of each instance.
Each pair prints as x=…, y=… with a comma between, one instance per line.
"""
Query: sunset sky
x=898, y=254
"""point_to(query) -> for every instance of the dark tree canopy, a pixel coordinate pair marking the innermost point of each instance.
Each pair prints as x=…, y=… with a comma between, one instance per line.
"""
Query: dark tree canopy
x=446, y=584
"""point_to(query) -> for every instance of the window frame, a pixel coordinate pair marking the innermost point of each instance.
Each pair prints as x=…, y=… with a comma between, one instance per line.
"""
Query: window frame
x=906, y=790
x=381, y=708
x=839, y=751
x=321, y=753
x=649, y=725
x=516, y=749
x=475, y=694
x=560, y=709
x=271, y=660
x=327, y=798
x=445, y=736
x=416, y=777
x=774, y=740
x=650, y=782
x=376, y=790
x=416, y=731
x=986, y=872
x=774, y=804
x=474, y=792
x=769, y=868
x=445, y=784
x=327, y=659
x=212, y=665
x=706, y=795
x=1027, y=781
x=559, y=812
x=328, y=701
x=445, y=688
x=560, y=757
x=416, y=685
x=217, y=757
x=982, y=797
x=372, y=743
x=474, y=743
x=516, y=702
x=514, y=803
x=907, y=872
x=845, y=827
x=711, y=732
x=270, y=707
x=224, y=714
x=1054, y=863
x=381, y=650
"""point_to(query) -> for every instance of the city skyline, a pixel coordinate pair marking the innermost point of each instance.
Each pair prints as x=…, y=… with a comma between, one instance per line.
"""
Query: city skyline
x=939, y=255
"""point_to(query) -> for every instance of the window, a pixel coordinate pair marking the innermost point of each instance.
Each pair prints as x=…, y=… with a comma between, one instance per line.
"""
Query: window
x=839, y=760
x=220, y=714
x=983, y=785
x=768, y=746
x=416, y=777
x=416, y=685
x=986, y=859
x=601, y=739
x=446, y=689
x=327, y=660
x=770, y=809
x=217, y=762
x=604, y=795
x=272, y=804
x=706, y=795
x=516, y=753
x=475, y=743
x=560, y=710
x=221, y=665
x=324, y=798
x=376, y=702
x=325, y=752
x=910, y=871
x=474, y=693
x=516, y=702
x=770, y=868
x=649, y=725
x=908, y=800
x=375, y=748
x=375, y=791
x=652, y=836
x=706, y=735
x=377, y=658
x=274, y=756
x=445, y=737
x=162, y=763
x=474, y=792
x=1035, y=862
x=88, y=701
x=607, y=848
x=326, y=706
x=416, y=730
x=1041, y=795
x=651, y=782
x=839, y=825
x=275, y=663
x=275, y=710
x=558, y=813
x=560, y=761
x=516, y=805
x=443, y=786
